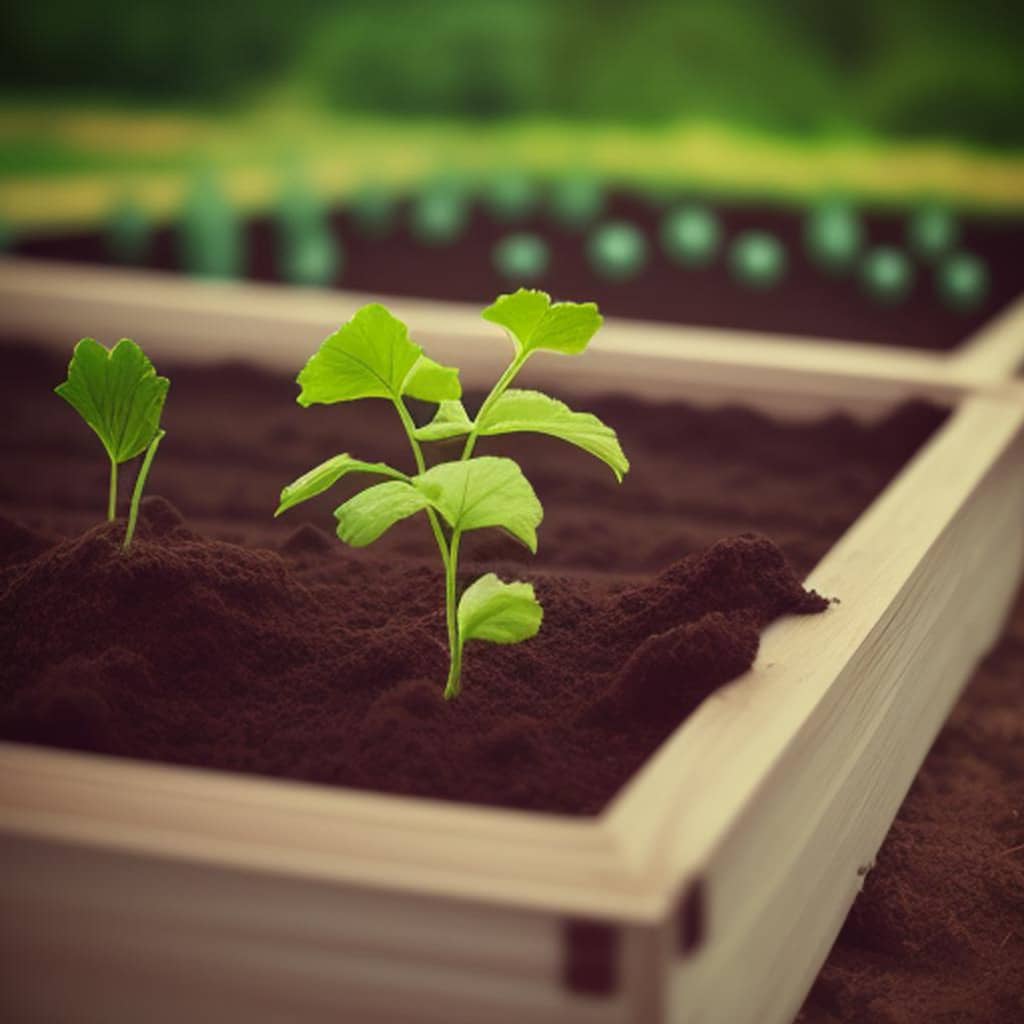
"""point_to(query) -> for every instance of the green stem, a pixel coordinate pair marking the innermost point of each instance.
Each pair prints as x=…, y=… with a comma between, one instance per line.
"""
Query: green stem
x=112, y=497
x=448, y=557
x=140, y=486
x=496, y=392
x=453, y=685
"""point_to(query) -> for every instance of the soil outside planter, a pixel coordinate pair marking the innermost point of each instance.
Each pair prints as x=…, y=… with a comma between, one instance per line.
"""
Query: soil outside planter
x=733, y=853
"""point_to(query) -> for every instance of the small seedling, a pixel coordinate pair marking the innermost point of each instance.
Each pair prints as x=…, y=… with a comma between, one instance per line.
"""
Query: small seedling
x=118, y=393
x=887, y=274
x=691, y=235
x=372, y=356
x=757, y=259
x=617, y=250
x=522, y=256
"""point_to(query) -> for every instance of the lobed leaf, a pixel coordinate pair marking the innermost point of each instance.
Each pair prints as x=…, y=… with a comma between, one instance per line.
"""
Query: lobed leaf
x=372, y=356
x=503, y=613
x=516, y=411
x=118, y=393
x=487, y=491
x=326, y=475
x=534, y=323
x=363, y=518
x=450, y=420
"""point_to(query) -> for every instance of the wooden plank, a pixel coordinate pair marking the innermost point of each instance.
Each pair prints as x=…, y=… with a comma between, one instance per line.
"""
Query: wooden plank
x=687, y=786
x=994, y=352
x=786, y=876
x=279, y=326
x=92, y=936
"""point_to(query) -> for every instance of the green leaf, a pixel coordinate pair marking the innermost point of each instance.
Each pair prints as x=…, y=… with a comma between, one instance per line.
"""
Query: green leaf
x=517, y=411
x=534, y=323
x=481, y=492
x=363, y=518
x=328, y=473
x=450, y=420
x=118, y=393
x=372, y=357
x=504, y=613
x=432, y=382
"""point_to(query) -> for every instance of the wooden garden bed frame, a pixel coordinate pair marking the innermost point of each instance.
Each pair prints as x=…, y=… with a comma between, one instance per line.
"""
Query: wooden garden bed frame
x=713, y=885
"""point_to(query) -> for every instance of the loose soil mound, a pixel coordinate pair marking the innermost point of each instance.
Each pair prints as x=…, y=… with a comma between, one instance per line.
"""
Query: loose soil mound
x=201, y=652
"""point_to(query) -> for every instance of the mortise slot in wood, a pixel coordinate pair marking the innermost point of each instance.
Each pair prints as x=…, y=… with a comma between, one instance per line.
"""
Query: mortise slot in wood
x=591, y=957
x=691, y=918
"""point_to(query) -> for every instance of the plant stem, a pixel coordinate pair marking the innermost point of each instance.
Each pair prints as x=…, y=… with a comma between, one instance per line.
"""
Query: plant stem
x=453, y=685
x=495, y=393
x=140, y=486
x=112, y=496
x=448, y=557
x=450, y=550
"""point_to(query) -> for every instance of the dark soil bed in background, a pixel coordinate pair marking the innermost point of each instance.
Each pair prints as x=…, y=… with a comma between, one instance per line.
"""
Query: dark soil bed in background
x=234, y=641
x=807, y=302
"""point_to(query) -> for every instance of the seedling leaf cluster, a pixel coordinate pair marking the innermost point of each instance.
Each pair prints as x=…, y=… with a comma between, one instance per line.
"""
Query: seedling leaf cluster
x=372, y=356
x=118, y=393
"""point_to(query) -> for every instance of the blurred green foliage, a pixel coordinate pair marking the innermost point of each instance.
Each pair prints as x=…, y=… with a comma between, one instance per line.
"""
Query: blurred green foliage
x=917, y=68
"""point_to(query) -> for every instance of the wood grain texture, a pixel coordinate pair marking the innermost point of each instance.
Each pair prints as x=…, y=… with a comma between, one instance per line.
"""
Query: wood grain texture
x=153, y=892
x=280, y=326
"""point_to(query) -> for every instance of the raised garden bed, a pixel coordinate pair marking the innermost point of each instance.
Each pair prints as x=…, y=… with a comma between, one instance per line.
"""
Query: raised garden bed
x=748, y=830
x=807, y=301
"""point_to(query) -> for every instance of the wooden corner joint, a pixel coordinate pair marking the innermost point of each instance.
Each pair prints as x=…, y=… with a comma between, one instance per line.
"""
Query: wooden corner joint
x=691, y=917
x=592, y=954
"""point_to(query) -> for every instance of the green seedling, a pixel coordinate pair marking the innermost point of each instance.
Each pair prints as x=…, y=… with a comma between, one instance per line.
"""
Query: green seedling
x=118, y=393
x=577, y=201
x=887, y=274
x=963, y=281
x=757, y=259
x=617, y=250
x=128, y=232
x=833, y=236
x=307, y=251
x=522, y=256
x=209, y=236
x=372, y=356
x=932, y=232
x=690, y=235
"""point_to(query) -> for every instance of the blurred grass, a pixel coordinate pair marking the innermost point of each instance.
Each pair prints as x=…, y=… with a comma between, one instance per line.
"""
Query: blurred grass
x=64, y=165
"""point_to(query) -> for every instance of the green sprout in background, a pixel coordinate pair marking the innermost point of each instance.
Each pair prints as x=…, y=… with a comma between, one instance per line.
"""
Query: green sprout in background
x=932, y=232
x=758, y=259
x=307, y=251
x=372, y=356
x=577, y=201
x=691, y=235
x=617, y=250
x=118, y=393
x=210, y=237
x=373, y=209
x=963, y=281
x=887, y=274
x=833, y=236
x=440, y=213
x=511, y=196
x=6, y=236
x=129, y=232
x=523, y=256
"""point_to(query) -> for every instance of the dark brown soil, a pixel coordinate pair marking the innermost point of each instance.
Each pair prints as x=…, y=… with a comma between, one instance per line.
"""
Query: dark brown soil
x=807, y=302
x=243, y=643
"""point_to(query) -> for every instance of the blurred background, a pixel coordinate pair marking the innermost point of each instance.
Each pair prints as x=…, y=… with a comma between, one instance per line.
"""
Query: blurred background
x=129, y=114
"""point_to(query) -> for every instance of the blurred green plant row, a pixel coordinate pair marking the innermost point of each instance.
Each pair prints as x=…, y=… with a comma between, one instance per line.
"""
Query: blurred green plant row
x=912, y=69
x=309, y=250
